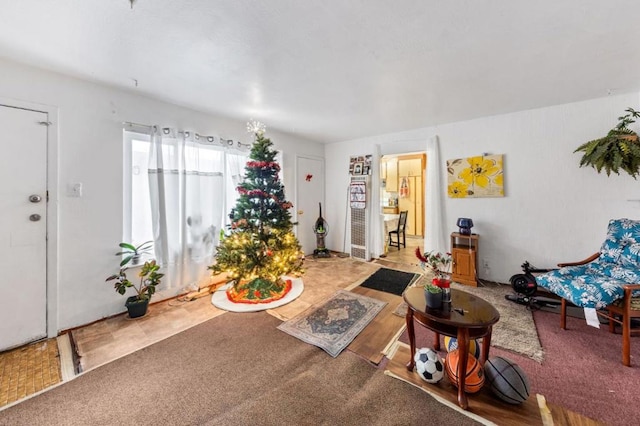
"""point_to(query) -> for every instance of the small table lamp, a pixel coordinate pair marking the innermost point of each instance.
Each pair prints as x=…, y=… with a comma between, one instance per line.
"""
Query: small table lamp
x=465, y=224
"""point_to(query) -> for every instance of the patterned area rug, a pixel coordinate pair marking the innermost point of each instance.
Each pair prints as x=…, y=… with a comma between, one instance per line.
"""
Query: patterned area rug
x=334, y=324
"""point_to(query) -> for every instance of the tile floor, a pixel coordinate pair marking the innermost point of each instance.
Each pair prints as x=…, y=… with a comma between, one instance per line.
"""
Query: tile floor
x=28, y=369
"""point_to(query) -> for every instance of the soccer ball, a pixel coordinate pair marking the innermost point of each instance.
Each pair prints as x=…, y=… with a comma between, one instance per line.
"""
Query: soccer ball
x=429, y=365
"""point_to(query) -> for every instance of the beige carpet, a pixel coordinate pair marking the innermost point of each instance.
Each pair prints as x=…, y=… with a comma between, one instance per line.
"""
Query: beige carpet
x=516, y=330
x=236, y=369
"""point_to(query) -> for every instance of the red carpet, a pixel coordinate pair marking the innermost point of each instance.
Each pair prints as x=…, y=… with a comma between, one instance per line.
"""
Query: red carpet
x=582, y=370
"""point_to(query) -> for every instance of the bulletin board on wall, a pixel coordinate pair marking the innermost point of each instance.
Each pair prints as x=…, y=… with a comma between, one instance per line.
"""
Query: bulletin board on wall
x=360, y=165
x=475, y=177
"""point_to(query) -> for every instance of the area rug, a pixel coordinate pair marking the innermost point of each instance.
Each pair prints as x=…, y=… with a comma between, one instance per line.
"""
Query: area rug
x=390, y=281
x=334, y=324
x=515, y=331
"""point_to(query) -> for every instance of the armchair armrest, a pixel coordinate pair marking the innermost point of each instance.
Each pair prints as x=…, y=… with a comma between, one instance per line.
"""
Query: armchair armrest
x=582, y=262
x=628, y=289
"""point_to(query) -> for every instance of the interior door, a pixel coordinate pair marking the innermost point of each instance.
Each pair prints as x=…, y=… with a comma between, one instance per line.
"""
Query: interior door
x=309, y=192
x=23, y=208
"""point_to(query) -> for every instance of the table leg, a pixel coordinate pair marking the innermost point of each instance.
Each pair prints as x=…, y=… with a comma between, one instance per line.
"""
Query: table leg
x=412, y=338
x=463, y=356
x=436, y=341
x=486, y=345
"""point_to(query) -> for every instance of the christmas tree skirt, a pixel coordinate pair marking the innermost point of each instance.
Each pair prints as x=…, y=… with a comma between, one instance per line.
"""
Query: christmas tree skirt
x=220, y=300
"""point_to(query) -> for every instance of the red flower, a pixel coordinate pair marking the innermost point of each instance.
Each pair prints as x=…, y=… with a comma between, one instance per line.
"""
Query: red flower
x=419, y=255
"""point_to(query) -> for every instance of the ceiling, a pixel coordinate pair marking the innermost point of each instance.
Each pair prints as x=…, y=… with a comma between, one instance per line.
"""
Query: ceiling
x=333, y=70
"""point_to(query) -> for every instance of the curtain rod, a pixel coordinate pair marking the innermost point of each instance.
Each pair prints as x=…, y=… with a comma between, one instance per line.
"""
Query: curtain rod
x=129, y=123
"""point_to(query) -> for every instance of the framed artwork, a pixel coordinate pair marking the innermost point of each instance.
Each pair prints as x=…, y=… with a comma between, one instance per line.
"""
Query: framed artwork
x=357, y=168
x=475, y=177
x=366, y=170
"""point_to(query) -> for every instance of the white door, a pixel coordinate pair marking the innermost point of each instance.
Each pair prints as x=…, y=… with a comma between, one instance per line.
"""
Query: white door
x=309, y=192
x=23, y=226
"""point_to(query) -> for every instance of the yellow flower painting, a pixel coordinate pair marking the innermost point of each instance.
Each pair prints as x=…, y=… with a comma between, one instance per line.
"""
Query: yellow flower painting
x=480, y=176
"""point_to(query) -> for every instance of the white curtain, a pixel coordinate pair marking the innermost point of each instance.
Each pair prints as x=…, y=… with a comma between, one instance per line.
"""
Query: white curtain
x=186, y=183
x=435, y=234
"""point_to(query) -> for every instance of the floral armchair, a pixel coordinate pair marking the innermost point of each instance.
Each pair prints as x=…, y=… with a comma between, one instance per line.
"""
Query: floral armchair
x=608, y=281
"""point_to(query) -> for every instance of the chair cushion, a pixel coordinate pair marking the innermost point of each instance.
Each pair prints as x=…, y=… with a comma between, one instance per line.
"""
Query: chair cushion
x=583, y=285
x=620, y=234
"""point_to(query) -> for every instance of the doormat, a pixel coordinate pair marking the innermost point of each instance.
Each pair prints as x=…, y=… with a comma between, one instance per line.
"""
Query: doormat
x=334, y=324
x=390, y=281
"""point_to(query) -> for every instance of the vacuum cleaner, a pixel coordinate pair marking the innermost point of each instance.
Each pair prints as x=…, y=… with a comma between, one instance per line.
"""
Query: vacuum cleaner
x=321, y=229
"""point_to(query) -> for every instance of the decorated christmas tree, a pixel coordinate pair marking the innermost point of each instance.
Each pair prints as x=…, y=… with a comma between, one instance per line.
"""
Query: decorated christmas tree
x=260, y=246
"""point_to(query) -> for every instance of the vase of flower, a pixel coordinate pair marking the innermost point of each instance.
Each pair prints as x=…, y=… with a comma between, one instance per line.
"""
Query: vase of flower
x=433, y=296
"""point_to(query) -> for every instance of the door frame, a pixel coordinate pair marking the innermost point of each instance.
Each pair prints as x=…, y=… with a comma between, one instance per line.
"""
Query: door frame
x=51, y=267
x=296, y=184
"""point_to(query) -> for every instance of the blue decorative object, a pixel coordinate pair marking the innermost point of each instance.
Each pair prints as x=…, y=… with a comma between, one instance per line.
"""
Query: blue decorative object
x=465, y=224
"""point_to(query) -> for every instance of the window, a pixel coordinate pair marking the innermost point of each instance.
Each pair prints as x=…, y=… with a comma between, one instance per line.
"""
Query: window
x=137, y=202
x=199, y=159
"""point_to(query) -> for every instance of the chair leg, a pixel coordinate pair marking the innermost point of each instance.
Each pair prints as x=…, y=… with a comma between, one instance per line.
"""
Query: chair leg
x=626, y=340
x=612, y=323
x=563, y=314
x=404, y=240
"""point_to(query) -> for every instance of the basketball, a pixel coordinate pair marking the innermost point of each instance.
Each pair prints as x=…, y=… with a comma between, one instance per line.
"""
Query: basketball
x=451, y=343
x=507, y=380
x=475, y=374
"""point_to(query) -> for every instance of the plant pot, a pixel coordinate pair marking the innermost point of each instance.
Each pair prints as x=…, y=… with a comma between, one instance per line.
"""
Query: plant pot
x=136, y=307
x=434, y=300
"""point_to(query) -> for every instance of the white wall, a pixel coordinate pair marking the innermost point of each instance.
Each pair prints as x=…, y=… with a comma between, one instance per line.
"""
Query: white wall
x=90, y=151
x=553, y=211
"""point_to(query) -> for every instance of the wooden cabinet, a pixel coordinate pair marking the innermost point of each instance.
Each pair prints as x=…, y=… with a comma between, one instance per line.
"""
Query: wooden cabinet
x=390, y=210
x=413, y=203
x=392, y=175
x=410, y=167
x=464, y=251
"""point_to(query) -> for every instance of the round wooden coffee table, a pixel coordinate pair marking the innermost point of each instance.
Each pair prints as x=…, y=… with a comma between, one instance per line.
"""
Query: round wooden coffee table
x=468, y=317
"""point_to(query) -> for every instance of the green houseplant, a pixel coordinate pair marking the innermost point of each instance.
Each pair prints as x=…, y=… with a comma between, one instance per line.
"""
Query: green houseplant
x=618, y=150
x=131, y=253
x=149, y=279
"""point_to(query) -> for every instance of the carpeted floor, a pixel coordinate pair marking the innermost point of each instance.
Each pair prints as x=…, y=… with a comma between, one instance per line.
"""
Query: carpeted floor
x=236, y=369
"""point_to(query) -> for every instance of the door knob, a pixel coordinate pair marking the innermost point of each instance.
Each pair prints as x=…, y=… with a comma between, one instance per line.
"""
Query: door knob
x=34, y=217
x=300, y=211
x=35, y=198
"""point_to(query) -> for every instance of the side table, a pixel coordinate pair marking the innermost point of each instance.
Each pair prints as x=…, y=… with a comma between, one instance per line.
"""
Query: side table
x=468, y=317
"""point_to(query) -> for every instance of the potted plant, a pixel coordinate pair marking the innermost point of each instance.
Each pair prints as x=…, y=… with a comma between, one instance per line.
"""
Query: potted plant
x=149, y=278
x=131, y=253
x=619, y=149
x=439, y=264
